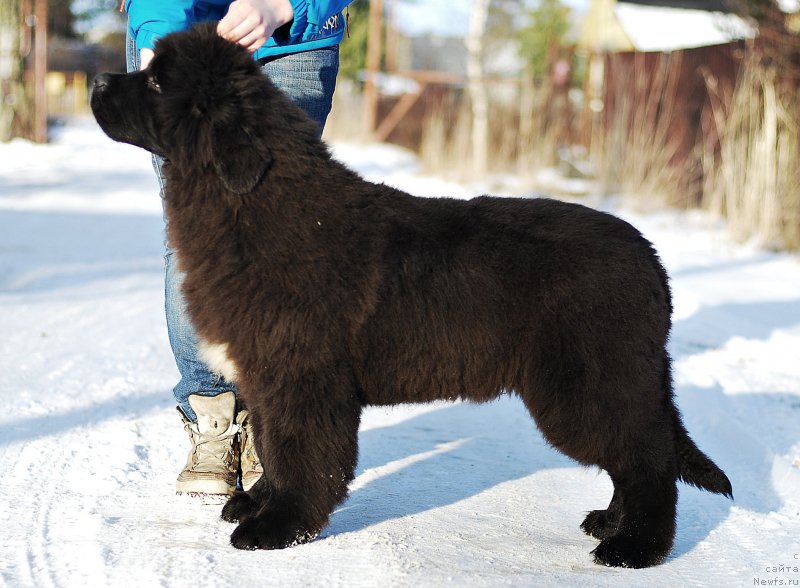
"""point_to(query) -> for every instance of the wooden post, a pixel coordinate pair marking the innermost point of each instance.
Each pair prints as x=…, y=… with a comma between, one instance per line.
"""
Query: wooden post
x=397, y=113
x=40, y=72
x=373, y=66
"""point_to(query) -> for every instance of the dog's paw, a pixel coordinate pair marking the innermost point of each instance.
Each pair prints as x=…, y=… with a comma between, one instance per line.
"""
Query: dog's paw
x=600, y=525
x=625, y=552
x=267, y=533
x=239, y=507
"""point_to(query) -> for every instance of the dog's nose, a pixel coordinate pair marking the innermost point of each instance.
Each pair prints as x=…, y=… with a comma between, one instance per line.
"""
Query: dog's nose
x=102, y=81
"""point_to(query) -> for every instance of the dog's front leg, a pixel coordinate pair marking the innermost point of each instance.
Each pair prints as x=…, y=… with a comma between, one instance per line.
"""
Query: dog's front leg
x=306, y=438
x=243, y=505
x=272, y=519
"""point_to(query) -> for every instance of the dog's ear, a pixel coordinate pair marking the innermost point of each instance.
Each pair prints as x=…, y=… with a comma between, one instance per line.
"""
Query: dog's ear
x=239, y=161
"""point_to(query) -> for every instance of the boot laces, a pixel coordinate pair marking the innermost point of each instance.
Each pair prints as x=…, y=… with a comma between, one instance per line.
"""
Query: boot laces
x=210, y=446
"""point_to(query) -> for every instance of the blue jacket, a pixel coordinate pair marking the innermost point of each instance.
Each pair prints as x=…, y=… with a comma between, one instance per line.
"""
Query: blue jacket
x=316, y=24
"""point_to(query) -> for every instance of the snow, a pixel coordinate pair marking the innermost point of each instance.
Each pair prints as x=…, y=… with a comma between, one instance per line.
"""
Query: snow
x=446, y=494
x=659, y=28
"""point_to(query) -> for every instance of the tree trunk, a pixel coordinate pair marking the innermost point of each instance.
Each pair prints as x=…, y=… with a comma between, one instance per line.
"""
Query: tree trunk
x=373, y=66
x=40, y=72
x=479, y=97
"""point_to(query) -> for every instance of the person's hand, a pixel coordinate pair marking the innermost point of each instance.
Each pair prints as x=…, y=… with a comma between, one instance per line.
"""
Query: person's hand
x=251, y=22
x=248, y=22
x=145, y=55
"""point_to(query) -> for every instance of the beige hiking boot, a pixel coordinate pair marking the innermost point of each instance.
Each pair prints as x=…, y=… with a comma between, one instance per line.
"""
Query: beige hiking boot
x=251, y=466
x=214, y=458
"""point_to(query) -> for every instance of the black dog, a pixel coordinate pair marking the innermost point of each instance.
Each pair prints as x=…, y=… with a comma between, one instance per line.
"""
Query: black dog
x=320, y=293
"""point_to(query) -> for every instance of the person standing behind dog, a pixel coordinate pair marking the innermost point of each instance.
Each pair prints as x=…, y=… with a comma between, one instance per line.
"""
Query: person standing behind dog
x=296, y=43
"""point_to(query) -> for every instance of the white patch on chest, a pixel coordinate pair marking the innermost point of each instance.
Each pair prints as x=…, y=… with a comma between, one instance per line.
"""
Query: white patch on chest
x=215, y=356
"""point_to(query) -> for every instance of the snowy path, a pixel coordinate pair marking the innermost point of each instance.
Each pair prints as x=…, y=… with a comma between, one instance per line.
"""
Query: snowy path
x=446, y=494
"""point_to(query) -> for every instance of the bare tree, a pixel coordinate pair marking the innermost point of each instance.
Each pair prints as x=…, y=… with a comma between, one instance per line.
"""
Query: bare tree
x=479, y=96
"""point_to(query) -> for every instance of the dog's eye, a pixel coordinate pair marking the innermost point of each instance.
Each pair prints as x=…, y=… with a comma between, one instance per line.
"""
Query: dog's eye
x=152, y=83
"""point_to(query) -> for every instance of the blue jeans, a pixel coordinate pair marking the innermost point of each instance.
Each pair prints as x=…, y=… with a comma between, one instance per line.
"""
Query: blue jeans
x=309, y=79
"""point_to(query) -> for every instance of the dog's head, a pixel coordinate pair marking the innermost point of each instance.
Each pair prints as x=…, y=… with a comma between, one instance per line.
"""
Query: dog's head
x=200, y=103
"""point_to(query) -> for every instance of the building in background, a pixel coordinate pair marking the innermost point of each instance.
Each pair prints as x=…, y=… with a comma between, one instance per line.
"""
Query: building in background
x=656, y=66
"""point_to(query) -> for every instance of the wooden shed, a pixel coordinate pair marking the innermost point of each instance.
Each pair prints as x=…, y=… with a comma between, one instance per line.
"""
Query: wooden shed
x=652, y=63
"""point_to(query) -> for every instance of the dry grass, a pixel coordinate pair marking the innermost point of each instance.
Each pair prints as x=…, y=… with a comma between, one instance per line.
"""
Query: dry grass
x=445, y=142
x=544, y=127
x=752, y=179
x=527, y=126
x=345, y=121
x=633, y=152
x=750, y=171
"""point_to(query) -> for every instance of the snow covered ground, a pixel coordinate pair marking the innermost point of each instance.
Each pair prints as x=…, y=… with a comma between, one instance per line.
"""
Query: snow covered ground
x=90, y=442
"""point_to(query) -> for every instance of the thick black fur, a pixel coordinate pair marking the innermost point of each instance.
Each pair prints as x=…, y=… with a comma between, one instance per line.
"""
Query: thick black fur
x=333, y=293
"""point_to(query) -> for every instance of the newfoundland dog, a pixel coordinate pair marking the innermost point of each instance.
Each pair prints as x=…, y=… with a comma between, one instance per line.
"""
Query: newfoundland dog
x=320, y=293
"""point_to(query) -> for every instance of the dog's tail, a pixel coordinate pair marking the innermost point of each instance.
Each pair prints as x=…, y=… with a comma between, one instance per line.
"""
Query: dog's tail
x=694, y=467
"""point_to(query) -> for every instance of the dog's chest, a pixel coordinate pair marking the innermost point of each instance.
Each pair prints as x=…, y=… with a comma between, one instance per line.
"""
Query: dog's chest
x=216, y=358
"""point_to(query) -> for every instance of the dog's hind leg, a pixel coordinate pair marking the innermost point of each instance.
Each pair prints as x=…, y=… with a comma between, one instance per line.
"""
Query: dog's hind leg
x=306, y=438
x=641, y=459
x=646, y=527
x=604, y=523
x=630, y=436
